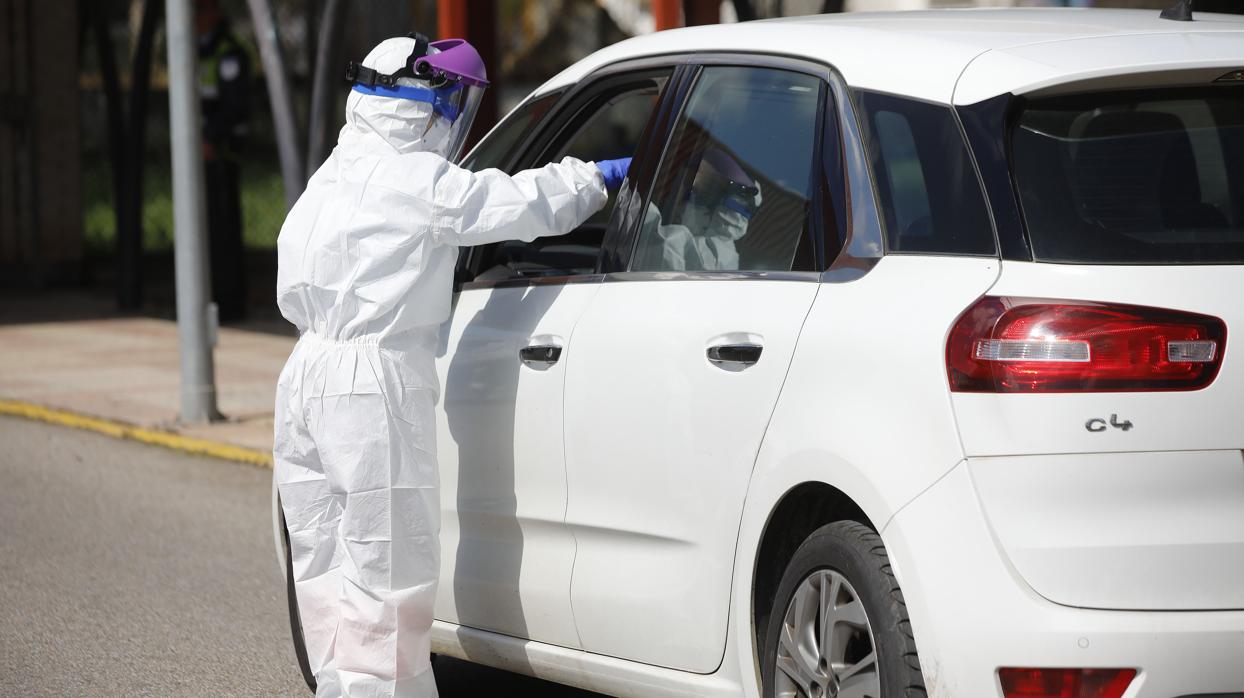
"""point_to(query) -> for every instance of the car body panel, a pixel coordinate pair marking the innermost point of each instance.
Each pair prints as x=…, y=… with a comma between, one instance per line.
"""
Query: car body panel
x=881, y=453
x=1018, y=424
x=591, y=672
x=866, y=396
x=945, y=42
x=656, y=484
x=1142, y=518
x=1160, y=531
x=1147, y=60
x=971, y=613
x=506, y=554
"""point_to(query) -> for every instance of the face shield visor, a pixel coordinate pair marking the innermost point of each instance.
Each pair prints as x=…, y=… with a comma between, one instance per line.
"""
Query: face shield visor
x=454, y=108
x=448, y=75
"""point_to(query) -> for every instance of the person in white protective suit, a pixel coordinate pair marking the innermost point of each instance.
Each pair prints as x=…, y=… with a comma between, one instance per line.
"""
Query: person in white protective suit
x=715, y=215
x=365, y=271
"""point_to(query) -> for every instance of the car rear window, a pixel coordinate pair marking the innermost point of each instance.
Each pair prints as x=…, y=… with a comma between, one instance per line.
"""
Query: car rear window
x=1149, y=177
x=930, y=195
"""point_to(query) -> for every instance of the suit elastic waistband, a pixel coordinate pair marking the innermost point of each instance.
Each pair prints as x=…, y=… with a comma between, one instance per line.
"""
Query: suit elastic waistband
x=364, y=341
x=420, y=339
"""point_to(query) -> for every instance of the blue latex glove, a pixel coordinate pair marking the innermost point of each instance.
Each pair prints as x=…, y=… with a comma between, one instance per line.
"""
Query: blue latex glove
x=614, y=171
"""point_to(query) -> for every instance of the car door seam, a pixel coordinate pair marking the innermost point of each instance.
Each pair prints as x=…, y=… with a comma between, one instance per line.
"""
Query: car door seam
x=738, y=534
x=568, y=357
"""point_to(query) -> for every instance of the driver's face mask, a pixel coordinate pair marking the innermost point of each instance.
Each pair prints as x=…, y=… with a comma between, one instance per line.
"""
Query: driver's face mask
x=729, y=223
x=716, y=188
x=729, y=203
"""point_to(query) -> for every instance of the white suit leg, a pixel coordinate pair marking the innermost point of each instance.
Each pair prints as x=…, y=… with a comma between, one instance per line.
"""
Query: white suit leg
x=376, y=440
x=312, y=516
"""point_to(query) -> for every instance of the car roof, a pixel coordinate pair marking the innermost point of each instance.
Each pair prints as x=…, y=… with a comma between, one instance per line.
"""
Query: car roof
x=960, y=56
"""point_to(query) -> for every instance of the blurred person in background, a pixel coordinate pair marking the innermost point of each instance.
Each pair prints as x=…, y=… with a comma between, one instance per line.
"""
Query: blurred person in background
x=224, y=92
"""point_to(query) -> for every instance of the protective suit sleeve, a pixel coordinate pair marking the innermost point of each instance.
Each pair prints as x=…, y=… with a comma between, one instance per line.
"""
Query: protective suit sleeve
x=490, y=206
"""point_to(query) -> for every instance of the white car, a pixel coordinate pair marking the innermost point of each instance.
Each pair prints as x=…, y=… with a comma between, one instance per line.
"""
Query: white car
x=952, y=412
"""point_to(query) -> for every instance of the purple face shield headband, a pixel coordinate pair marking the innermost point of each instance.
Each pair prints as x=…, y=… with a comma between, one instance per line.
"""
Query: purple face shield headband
x=457, y=62
x=456, y=66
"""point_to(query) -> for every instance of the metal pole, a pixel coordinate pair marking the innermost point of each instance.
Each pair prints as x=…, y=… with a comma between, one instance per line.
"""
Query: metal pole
x=324, y=84
x=198, y=382
x=281, y=100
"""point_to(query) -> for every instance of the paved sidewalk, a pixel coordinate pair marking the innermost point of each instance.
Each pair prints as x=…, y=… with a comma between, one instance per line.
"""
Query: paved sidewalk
x=126, y=369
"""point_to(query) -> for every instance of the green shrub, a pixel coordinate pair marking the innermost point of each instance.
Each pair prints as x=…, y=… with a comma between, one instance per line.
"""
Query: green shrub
x=263, y=205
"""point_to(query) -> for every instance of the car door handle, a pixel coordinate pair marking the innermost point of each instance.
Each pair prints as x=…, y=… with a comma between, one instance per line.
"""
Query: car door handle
x=542, y=354
x=735, y=355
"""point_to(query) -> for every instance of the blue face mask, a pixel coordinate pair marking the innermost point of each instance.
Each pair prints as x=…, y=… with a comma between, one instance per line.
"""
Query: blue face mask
x=744, y=206
x=444, y=100
x=741, y=201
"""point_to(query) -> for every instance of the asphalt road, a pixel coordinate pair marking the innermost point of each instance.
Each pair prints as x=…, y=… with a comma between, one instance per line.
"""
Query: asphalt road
x=128, y=569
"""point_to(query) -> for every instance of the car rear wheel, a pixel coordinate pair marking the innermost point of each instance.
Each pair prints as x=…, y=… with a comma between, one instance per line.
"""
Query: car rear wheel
x=839, y=626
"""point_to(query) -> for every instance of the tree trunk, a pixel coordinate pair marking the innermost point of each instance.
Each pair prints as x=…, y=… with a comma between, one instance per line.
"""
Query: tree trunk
x=127, y=272
x=280, y=98
x=130, y=238
x=744, y=10
x=324, y=84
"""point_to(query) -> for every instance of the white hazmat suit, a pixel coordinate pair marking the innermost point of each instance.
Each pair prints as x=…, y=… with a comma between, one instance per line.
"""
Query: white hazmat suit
x=704, y=240
x=366, y=260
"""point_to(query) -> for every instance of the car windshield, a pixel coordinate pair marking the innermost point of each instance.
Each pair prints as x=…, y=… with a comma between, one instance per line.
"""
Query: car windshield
x=1152, y=177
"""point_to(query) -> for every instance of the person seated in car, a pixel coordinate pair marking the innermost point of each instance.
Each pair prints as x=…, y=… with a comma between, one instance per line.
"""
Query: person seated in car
x=716, y=213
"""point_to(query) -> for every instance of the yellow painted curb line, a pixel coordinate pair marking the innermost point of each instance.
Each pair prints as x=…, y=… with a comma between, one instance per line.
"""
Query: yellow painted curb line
x=121, y=430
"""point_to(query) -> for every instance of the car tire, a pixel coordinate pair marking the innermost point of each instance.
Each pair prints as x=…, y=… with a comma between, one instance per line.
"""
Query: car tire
x=291, y=600
x=870, y=650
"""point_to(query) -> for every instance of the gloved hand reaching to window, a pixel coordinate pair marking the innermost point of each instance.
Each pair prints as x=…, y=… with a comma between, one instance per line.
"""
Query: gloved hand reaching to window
x=614, y=171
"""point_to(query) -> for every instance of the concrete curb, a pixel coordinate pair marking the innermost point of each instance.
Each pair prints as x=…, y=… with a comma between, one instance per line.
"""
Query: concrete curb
x=121, y=430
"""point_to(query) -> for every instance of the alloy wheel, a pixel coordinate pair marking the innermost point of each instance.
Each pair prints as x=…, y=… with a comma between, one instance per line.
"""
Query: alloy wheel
x=826, y=648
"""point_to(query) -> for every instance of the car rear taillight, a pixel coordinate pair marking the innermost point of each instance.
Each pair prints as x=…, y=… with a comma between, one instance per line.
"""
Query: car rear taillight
x=1026, y=345
x=1065, y=683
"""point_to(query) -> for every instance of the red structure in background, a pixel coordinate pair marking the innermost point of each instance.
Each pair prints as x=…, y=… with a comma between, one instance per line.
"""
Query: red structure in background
x=701, y=12
x=670, y=14
x=475, y=21
x=667, y=13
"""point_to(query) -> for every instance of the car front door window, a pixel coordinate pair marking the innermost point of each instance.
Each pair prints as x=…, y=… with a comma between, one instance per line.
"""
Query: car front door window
x=737, y=182
x=499, y=146
x=608, y=126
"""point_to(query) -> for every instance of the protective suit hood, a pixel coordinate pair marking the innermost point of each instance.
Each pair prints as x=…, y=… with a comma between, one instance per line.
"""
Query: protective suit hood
x=376, y=123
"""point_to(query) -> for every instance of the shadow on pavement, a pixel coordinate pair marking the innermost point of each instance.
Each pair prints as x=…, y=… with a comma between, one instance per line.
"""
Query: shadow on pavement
x=458, y=679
